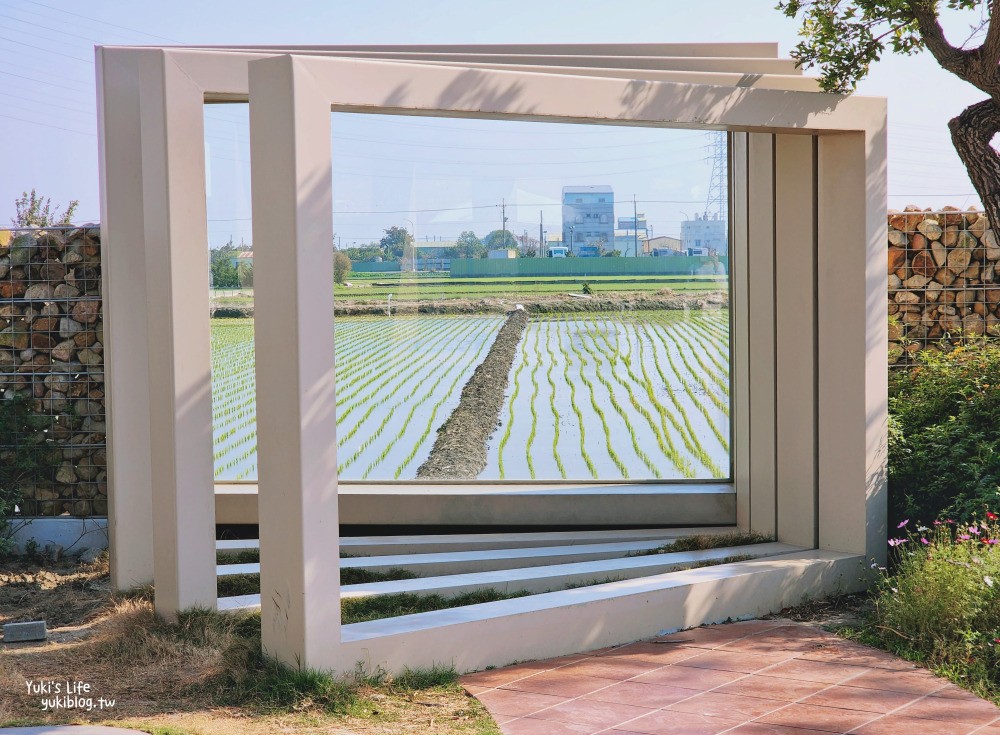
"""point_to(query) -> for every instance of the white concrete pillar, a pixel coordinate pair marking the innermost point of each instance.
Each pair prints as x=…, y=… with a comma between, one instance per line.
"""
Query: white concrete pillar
x=853, y=326
x=761, y=383
x=180, y=378
x=296, y=424
x=130, y=495
x=795, y=338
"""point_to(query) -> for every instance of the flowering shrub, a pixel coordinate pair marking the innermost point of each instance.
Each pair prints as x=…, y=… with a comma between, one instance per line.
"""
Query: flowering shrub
x=944, y=441
x=941, y=605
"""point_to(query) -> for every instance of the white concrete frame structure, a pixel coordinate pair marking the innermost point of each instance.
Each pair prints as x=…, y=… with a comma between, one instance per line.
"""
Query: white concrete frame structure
x=809, y=332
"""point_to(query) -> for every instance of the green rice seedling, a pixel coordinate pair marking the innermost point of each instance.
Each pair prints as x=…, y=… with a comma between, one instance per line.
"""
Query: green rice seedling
x=599, y=411
x=691, y=439
x=418, y=368
x=722, y=384
x=430, y=421
x=596, y=353
x=456, y=363
x=532, y=403
x=516, y=381
x=567, y=364
x=552, y=398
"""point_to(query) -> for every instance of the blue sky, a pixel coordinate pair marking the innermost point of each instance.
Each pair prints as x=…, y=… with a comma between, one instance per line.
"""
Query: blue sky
x=47, y=118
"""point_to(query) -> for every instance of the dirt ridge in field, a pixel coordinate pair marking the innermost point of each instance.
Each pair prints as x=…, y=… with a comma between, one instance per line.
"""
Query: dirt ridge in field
x=459, y=451
x=665, y=299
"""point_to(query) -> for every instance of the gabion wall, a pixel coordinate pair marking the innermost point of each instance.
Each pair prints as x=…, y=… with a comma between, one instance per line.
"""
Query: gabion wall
x=51, y=351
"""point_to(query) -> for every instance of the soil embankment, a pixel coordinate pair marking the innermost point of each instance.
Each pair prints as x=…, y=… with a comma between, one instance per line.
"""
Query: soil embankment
x=533, y=304
x=459, y=451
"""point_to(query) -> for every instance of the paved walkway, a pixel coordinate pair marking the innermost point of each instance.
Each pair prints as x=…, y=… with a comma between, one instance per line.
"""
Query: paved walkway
x=754, y=678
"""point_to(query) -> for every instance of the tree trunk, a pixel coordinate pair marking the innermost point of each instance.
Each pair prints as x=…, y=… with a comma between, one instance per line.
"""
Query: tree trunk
x=971, y=133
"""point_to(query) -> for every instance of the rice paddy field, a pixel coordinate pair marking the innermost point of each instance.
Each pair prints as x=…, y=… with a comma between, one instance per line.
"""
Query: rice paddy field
x=607, y=396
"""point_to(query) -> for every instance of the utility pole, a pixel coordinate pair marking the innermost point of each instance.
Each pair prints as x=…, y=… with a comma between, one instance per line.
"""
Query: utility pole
x=541, y=238
x=635, y=224
x=503, y=222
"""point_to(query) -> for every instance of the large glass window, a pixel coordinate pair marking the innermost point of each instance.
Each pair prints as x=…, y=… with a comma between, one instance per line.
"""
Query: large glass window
x=481, y=332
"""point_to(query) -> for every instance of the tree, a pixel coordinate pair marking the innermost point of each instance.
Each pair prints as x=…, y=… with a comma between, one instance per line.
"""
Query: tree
x=341, y=267
x=244, y=274
x=397, y=243
x=468, y=246
x=500, y=240
x=364, y=254
x=32, y=210
x=843, y=38
x=224, y=273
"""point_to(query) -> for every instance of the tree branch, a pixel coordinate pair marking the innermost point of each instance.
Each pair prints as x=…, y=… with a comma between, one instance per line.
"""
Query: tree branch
x=953, y=59
x=989, y=52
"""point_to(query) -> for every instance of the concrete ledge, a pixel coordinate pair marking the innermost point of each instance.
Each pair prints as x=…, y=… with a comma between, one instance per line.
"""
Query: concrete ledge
x=538, y=580
x=429, y=543
x=75, y=535
x=559, y=623
x=487, y=504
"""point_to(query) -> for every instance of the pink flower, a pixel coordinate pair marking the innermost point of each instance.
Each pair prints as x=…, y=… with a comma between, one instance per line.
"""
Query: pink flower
x=901, y=525
x=964, y=537
x=896, y=541
x=924, y=541
x=974, y=529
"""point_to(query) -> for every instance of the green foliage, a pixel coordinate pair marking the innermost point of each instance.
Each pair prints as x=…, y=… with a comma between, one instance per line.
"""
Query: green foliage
x=500, y=240
x=612, y=254
x=944, y=447
x=942, y=604
x=341, y=267
x=32, y=210
x=364, y=254
x=397, y=243
x=25, y=455
x=361, y=609
x=844, y=38
x=244, y=272
x=587, y=288
x=468, y=246
x=224, y=273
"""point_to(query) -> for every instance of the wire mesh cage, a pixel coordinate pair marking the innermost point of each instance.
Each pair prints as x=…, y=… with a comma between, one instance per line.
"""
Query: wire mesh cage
x=53, y=442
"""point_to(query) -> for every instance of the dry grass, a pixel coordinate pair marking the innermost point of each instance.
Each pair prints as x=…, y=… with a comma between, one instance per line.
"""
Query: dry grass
x=205, y=674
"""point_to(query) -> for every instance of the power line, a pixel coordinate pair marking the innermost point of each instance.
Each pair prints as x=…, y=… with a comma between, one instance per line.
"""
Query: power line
x=102, y=22
x=46, y=50
x=35, y=122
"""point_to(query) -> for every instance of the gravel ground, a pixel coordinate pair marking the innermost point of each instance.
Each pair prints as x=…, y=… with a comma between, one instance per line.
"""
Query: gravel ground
x=459, y=451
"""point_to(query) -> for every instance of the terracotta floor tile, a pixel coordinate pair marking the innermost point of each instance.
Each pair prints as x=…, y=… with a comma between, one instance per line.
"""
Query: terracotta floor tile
x=896, y=725
x=731, y=706
x=975, y=712
x=688, y=677
x=912, y=682
x=826, y=719
x=611, y=667
x=560, y=684
x=493, y=678
x=767, y=687
x=740, y=661
x=659, y=653
x=846, y=652
x=862, y=700
x=952, y=691
x=664, y=722
x=530, y=726
x=828, y=673
x=799, y=639
x=763, y=728
x=516, y=704
x=641, y=694
x=599, y=715
x=712, y=636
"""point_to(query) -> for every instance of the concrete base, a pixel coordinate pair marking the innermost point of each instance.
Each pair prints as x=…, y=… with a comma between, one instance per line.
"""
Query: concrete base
x=493, y=504
x=76, y=535
x=559, y=623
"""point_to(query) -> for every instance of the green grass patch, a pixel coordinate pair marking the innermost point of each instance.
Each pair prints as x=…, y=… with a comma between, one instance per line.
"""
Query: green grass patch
x=362, y=609
x=701, y=542
x=249, y=584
